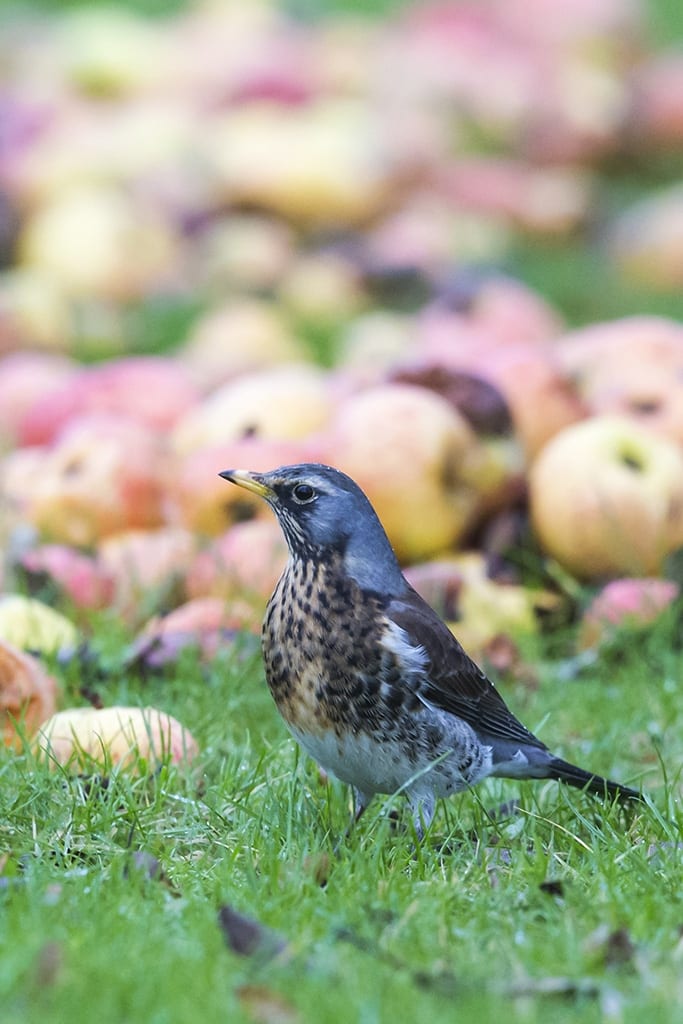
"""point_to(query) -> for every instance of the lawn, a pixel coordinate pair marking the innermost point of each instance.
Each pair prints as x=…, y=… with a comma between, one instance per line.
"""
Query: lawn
x=111, y=889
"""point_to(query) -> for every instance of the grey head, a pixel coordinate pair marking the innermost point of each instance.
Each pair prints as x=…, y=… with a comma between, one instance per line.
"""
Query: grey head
x=324, y=513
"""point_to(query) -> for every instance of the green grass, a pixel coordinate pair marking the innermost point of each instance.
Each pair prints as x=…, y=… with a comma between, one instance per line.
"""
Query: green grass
x=463, y=926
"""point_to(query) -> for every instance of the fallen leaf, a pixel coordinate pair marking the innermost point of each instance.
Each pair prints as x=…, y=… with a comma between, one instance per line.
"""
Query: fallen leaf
x=611, y=947
x=248, y=937
x=265, y=1006
x=48, y=964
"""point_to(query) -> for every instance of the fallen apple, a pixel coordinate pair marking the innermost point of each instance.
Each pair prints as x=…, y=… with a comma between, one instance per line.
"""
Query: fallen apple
x=139, y=740
x=82, y=578
x=27, y=694
x=279, y=403
x=103, y=474
x=415, y=457
x=606, y=498
x=34, y=626
x=625, y=603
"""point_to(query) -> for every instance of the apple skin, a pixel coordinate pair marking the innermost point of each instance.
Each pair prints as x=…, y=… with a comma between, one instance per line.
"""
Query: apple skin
x=245, y=562
x=32, y=625
x=82, y=578
x=606, y=498
x=414, y=456
x=146, y=568
x=154, y=390
x=132, y=739
x=34, y=312
x=646, y=241
x=26, y=378
x=625, y=602
x=632, y=367
x=238, y=337
x=27, y=694
x=95, y=241
x=103, y=474
x=477, y=609
x=204, y=623
x=279, y=403
x=200, y=500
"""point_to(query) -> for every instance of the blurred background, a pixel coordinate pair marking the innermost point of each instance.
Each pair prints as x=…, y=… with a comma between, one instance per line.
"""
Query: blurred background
x=236, y=233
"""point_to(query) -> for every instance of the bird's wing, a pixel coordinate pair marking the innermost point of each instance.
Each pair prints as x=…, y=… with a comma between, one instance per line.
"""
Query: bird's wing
x=451, y=680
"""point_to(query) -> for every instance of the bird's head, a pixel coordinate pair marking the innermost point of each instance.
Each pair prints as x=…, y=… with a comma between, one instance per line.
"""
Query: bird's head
x=323, y=514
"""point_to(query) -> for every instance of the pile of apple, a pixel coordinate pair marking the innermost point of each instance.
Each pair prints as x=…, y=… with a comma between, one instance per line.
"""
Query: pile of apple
x=295, y=182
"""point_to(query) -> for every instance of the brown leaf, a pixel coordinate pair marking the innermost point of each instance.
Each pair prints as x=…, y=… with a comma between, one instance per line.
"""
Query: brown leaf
x=48, y=964
x=265, y=1006
x=248, y=937
x=612, y=947
x=318, y=866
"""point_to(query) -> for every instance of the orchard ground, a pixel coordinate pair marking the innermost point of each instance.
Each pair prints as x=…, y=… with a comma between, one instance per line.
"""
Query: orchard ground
x=562, y=906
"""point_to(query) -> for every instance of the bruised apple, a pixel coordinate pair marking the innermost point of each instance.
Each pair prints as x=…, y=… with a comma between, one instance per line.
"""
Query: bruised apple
x=103, y=474
x=135, y=739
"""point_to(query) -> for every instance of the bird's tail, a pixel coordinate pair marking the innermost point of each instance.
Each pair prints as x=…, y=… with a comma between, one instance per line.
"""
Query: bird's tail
x=563, y=771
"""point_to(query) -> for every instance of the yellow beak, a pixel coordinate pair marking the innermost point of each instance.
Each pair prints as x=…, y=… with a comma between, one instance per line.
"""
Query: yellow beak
x=250, y=482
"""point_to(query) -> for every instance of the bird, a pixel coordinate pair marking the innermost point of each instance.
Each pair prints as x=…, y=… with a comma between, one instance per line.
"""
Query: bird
x=368, y=678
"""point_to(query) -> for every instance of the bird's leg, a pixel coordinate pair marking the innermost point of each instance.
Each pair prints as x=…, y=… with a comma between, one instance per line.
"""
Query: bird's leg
x=422, y=806
x=360, y=803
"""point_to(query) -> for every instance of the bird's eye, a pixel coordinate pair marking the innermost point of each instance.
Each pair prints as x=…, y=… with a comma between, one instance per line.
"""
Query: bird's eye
x=303, y=493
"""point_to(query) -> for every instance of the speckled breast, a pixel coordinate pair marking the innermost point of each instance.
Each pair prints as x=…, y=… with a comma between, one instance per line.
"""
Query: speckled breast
x=320, y=652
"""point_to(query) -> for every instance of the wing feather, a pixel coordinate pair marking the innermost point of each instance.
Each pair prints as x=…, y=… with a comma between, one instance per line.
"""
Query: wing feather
x=452, y=681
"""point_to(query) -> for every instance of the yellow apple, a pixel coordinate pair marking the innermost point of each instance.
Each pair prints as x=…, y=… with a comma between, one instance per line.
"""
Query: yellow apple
x=133, y=739
x=94, y=240
x=236, y=337
x=414, y=456
x=34, y=626
x=279, y=404
x=606, y=498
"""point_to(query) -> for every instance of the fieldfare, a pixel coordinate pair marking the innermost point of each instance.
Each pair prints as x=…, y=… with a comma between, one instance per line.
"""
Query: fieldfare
x=366, y=675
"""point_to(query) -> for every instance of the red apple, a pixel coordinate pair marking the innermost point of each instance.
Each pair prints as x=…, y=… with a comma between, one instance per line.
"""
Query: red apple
x=205, y=623
x=198, y=498
x=631, y=603
x=147, y=567
x=152, y=389
x=244, y=562
x=82, y=578
x=102, y=474
x=25, y=379
x=133, y=739
x=27, y=694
